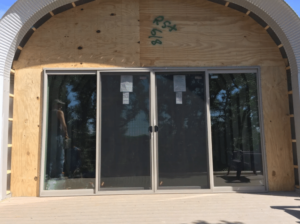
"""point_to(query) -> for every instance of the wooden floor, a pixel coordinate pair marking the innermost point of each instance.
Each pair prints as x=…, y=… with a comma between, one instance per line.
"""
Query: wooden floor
x=225, y=208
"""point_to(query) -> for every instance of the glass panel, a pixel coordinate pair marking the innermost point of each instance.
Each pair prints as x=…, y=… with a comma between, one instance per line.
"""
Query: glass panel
x=8, y=182
x=9, y=158
x=125, y=141
x=11, y=107
x=10, y=128
x=11, y=86
x=237, y=157
x=71, y=132
x=182, y=136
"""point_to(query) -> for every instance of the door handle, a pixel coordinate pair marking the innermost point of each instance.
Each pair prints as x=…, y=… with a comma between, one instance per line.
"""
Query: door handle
x=155, y=128
x=150, y=129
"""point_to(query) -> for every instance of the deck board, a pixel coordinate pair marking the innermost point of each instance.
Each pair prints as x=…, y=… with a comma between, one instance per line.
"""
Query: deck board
x=227, y=208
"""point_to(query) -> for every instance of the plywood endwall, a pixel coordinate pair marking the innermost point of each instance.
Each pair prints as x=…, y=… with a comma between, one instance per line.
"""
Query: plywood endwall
x=208, y=34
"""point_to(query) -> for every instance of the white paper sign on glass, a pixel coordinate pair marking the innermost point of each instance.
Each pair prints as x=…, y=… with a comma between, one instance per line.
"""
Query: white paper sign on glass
x=178, y=97
x=179, y=83
x=126, y=83
x=125, y=98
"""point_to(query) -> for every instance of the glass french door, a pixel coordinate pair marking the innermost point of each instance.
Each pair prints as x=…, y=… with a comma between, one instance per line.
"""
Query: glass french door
x=153, y=131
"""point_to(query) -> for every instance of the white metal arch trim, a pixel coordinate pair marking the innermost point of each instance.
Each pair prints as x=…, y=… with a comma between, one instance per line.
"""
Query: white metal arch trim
x=23, y=14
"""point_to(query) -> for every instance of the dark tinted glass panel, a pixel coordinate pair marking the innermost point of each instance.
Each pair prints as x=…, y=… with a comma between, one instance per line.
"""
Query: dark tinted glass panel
x=9, y=158
x=182, y=135
x=8, y=182
x=125, y=142
x=11, y=86
x=71, y=132
x=11, y=107
x=237, y=157
x=10, y=127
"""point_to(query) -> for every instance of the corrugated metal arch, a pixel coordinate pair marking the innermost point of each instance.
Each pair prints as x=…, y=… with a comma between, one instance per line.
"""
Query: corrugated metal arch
x=24, y=14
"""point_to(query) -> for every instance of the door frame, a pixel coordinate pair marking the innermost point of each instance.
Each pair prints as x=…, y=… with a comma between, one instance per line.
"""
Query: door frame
x=153, y=120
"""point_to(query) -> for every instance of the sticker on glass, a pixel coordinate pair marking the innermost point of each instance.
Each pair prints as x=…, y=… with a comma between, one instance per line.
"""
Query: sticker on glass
x=198, y=77
x=178, y=97
x=214, y=77
x=125, y=98
x=179, y=83
x=143, y=77
x=126, y=83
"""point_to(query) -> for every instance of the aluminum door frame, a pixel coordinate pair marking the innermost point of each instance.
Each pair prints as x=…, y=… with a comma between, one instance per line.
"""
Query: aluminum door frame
x=153, y=120
x=45, y=95
x=265, y=187
x=122, y=191
x=188, y=190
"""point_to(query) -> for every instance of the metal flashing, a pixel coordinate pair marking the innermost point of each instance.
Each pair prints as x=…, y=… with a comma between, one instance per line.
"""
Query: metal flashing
x=26, y=37
x=41, y=21
x=221, y=2
x=258, y=19
x=81, y=2
x=274, y=36
x=62, y=8
x=238, y=8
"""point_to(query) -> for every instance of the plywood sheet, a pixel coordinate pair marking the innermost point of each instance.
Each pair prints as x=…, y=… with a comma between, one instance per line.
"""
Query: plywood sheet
x=277, y=129
x=26, y=133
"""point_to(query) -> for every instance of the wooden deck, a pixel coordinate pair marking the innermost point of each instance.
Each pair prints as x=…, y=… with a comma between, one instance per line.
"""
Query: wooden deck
x=225, y=208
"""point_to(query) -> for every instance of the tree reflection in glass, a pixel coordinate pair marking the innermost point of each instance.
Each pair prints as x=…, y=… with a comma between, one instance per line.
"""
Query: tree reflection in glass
x=125, y=142
x=182, y=136
x=71, y=132
x=237, y=158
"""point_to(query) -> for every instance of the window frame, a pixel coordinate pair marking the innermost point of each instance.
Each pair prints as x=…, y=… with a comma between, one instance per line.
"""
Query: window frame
x=153, y=120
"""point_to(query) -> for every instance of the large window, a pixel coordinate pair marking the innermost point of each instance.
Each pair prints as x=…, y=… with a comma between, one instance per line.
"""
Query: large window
x=235, y=127
x=70, y=156
x=118, y=131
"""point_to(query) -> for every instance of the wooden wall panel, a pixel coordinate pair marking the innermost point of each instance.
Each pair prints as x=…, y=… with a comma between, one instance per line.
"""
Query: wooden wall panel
x=26, y=133
x=276, y=124
x=208, y=34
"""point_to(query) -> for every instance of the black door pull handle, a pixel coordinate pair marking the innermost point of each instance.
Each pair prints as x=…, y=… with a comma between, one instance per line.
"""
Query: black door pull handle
x=156, y=128
x=150, y=129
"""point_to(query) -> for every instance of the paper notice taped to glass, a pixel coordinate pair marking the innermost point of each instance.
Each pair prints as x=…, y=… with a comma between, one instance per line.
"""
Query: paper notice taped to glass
x=178, y=97
x=126, y=83
x=125, y=98
x=179, y=83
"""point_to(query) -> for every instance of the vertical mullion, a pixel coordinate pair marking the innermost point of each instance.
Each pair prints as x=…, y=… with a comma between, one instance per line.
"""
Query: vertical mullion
x=209, y=137
x=45, y=104
x=98, y=133
x=151, y=119
x=154, y=134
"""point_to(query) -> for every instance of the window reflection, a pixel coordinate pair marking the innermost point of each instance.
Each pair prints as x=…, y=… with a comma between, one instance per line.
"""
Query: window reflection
x=71, y=135
x=182, y=136
x=125, y=141
x=237, y=158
